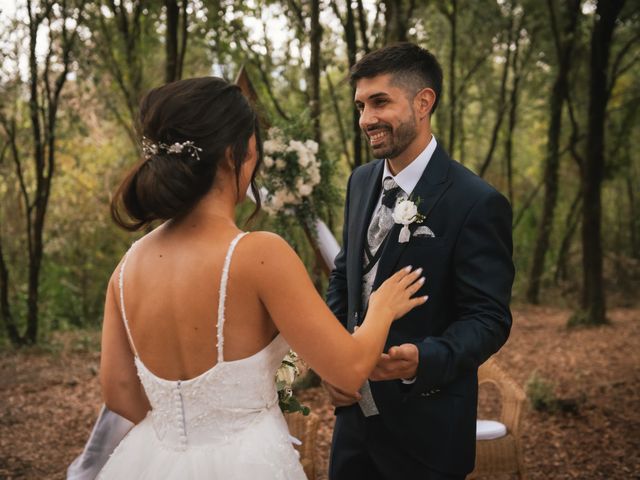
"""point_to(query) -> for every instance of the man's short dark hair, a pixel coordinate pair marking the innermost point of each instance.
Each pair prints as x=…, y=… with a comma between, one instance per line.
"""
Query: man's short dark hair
x=411, y=66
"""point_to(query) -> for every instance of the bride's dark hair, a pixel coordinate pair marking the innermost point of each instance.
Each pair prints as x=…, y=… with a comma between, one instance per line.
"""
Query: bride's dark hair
x=211, y=113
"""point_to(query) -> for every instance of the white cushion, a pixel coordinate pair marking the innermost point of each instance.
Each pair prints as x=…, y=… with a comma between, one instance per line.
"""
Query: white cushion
x=489, y=430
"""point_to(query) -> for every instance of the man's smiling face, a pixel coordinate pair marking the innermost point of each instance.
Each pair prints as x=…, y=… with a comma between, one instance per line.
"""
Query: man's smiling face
x=387, y=115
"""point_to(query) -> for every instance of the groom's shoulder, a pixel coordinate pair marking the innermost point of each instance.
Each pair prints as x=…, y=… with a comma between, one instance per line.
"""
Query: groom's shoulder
x=467, y=181
x=364, y=172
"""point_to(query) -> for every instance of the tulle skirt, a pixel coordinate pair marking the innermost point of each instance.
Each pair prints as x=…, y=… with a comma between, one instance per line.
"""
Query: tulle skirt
x=261, y=452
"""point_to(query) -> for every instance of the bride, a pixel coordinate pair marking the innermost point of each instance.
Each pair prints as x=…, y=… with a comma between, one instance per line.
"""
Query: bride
x=199, y=314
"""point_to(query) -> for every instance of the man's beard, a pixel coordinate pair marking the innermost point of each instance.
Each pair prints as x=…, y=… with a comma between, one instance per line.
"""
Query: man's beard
x=401, y=138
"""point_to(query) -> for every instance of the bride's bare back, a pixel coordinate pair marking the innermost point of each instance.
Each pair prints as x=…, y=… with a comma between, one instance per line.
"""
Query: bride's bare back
x=171, y=290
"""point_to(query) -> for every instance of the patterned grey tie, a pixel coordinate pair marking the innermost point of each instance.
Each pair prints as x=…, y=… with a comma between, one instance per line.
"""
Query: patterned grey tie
x=381, y=224
x=382, y=220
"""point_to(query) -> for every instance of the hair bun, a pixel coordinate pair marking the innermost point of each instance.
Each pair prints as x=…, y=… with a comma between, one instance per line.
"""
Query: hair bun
x=188, y=125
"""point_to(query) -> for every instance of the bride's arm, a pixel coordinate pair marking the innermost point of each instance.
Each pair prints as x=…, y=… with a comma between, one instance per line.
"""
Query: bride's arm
x=121, y=388
x=302, y=316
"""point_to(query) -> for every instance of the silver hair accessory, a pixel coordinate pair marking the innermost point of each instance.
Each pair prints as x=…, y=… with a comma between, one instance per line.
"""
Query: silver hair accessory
x=150, y=148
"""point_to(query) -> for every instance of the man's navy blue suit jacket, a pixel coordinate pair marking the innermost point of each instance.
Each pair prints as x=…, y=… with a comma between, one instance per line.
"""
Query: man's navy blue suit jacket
x=469, y=274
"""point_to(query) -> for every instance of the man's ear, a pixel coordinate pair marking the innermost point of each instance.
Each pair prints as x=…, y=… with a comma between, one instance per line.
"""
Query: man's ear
x=424, y=101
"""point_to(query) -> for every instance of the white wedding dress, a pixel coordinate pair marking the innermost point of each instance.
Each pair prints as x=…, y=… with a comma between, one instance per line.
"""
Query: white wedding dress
x=222, y=424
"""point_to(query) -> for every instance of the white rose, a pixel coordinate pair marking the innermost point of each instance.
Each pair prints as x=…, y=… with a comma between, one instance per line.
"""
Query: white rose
x=305, y=190
x=280, y=164
x=296, y=146
x=405, y=212
x=291, y=199
x=293, y=358
x=276, y=201
x=286, y=374
x=304, y=159
x=314, y=175
x=268, y=208
x=273, y=146
x=312, y=145
x=274, y=132
x=268, y=161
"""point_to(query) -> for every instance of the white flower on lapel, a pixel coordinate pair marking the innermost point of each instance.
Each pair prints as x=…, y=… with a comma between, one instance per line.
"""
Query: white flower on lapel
x=405, y=213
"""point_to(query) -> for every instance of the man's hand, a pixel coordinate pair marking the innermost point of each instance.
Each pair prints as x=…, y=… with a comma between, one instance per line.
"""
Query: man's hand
x=400, y=363
x=340, y=398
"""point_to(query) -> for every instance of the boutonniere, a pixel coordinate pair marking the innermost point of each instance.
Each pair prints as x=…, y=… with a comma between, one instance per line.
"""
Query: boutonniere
x=406, y=213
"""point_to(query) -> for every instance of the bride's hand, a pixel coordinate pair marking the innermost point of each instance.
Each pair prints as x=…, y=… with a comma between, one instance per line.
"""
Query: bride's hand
x=395, y=294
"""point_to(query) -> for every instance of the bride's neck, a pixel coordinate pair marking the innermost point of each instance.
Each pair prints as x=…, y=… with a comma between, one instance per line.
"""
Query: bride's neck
x=217, y=205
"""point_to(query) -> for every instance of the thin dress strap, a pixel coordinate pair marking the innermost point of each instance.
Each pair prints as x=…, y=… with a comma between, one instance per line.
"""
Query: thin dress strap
x=223, y=295
x=122, y=309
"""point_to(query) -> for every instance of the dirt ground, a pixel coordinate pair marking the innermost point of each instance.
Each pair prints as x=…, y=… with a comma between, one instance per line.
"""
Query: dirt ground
x=49, y=399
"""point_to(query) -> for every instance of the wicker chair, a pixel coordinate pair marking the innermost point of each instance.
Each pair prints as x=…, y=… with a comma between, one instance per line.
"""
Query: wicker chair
x=504, y=454
x=305, y=429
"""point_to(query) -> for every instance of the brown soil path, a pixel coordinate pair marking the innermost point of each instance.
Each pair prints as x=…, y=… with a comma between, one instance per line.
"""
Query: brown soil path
x=49, y=399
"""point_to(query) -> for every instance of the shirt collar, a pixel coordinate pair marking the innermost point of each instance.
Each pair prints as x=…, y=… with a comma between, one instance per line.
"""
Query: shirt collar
x=408, y=178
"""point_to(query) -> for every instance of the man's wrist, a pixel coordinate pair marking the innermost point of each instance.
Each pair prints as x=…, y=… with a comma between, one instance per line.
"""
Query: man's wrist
x=412, y=379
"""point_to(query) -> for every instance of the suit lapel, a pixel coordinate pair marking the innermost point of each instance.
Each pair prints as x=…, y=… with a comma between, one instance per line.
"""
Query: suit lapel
x=430, y=188
x=363, y=211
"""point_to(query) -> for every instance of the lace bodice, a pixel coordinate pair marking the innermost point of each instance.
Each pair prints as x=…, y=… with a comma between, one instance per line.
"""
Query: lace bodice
x=221, y=402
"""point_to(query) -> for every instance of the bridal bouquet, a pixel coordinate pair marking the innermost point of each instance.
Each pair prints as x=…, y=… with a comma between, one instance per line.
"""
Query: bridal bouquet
x=285, y=376
x=295, y=177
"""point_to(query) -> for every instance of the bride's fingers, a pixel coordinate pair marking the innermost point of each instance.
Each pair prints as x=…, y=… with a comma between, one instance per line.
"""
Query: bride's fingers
x=415, y=286
x=417, y=301
x=402, y=273
x=410, y=278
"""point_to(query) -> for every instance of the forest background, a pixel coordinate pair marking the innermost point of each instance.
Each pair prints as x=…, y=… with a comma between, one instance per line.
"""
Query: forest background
x=541, y=98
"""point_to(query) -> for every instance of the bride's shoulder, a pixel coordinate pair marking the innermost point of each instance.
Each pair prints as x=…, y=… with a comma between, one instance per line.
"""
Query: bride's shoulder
x=266, y=244
x=266, y=250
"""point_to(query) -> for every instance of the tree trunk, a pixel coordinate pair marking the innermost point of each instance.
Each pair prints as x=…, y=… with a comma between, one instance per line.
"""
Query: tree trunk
x=183, y=39
x=462, y=135
x=5, y=304
x=593, y=295
x=314, y=68
x=352, y=48
x=502, y=98
x=453, y=24
x=634, y=224
x=550, y=190
x=362, y=23
x=336, y=111
x=513, y=107
x=395, y=22
x=175, y=39
x=564, y=48
x=571, y=222
x=34, y=228
x=35, y=185
x=171, y=41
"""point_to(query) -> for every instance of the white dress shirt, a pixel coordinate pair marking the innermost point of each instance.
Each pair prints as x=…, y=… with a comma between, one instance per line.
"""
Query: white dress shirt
x=408, y=178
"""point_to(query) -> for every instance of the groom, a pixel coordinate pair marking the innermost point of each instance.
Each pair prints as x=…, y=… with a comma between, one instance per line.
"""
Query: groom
x=415, y=417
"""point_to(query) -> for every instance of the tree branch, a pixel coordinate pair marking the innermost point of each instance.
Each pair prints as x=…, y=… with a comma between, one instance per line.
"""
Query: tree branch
x=526, y=204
